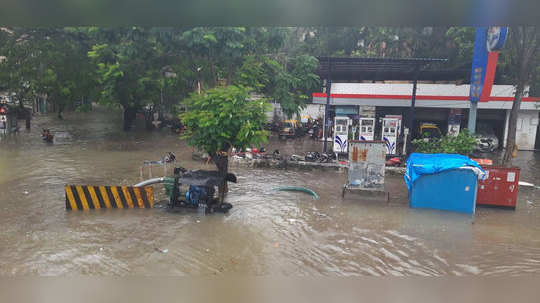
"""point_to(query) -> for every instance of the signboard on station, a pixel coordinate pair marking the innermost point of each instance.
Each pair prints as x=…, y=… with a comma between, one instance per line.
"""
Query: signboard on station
x=487, y=42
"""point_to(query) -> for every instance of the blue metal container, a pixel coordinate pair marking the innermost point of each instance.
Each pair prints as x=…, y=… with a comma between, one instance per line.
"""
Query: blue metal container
x=453, y=190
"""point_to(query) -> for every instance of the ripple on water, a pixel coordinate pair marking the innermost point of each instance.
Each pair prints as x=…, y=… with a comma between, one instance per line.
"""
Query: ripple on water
x=267, y=231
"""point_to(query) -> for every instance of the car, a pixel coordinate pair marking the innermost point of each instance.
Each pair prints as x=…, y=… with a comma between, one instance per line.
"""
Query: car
x=486, y=140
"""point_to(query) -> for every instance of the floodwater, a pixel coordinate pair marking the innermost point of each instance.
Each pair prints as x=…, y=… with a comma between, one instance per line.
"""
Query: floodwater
x=266, y=232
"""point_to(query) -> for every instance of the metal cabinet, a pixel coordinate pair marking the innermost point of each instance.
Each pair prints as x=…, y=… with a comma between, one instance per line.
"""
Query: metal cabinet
x=500, y=188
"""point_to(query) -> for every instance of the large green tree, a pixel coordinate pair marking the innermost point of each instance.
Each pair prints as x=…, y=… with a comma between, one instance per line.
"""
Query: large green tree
x=50, y=63
x=290, y=84
x=223, y=118
x=128, y=69
x=65, y=74
x=18, y=65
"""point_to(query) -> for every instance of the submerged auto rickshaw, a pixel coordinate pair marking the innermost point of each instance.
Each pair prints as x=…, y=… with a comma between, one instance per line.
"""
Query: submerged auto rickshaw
x=289, y=129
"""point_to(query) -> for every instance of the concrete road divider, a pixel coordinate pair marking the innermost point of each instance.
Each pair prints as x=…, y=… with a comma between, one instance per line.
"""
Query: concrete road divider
x=84, y=197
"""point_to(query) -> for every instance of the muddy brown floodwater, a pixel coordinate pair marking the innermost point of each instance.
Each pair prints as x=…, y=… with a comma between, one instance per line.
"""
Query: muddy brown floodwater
x=267, y=232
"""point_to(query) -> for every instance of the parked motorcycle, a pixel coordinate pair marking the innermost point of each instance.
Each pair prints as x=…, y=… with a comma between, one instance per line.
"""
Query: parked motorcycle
x=314, y=157
x=297, y=158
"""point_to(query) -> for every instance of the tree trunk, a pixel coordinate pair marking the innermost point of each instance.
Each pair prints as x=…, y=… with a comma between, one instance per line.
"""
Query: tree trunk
x=148, y=116
x=230, y=74
x=222, y=164
x=213, y=74
x=28, y=117
x=526, y=42
x=512, y=125
x=60, y=111
x=129, y=117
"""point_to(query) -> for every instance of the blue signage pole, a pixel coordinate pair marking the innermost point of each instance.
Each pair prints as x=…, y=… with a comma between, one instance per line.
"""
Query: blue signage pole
x=471, y=125
x=478, y=73
x=486, y=40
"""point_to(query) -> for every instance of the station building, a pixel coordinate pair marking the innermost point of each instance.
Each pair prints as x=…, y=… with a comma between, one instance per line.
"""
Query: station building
x=436, y=103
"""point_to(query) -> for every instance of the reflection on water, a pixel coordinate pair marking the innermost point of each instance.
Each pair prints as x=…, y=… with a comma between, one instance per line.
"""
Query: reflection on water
x=267, y=232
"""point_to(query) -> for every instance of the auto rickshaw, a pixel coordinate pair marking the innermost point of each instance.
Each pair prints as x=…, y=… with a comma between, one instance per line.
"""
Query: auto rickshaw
x=289, y=129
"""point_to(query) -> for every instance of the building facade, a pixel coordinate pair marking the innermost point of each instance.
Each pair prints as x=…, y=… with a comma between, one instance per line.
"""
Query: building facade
x=436, y=103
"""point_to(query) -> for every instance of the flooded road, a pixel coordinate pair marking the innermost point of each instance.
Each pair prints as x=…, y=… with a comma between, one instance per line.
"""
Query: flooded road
x=266, y=232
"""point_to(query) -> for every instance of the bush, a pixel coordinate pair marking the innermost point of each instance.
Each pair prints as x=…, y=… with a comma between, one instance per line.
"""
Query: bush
x=463, y=144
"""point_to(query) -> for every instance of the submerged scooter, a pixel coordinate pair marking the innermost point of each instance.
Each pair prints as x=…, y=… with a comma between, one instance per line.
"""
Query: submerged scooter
x=47, y=136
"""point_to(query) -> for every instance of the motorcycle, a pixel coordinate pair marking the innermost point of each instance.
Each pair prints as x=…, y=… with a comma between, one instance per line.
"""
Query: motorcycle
x=296, y=158
x=326, y=158
x=47, y=136
x=314, y=157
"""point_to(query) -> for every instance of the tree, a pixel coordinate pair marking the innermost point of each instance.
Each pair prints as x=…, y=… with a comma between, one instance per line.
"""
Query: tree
x=128, y=69
x=18, y=67
x=48, y=62
x=523, y=48
x=223, y=118
x=65, y=74
x=292, y=88
x=463, y=144
x=290, y=84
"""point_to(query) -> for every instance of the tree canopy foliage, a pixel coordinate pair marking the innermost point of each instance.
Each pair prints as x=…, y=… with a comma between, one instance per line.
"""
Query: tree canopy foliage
x=45, y=62
x=224, y=117
x=131, y=67
x=463, y=144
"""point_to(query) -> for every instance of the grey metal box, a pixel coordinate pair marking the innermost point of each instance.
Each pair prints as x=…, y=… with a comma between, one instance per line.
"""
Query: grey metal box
x=366, y=165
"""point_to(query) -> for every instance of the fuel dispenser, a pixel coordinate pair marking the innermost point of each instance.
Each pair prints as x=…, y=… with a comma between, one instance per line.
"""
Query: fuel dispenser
x=367, y=129
x=390, y=133
x=341, y=134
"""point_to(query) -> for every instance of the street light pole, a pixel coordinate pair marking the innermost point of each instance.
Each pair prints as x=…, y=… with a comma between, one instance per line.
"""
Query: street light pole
x=411, y=109
x=199, y=80
x=327, y=106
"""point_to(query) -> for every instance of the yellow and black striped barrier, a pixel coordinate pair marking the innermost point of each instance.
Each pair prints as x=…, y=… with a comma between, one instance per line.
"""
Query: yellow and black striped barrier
x=83, y=197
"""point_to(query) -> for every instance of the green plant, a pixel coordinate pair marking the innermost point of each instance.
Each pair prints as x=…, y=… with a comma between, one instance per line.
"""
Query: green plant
x=223, y=118
x=463, y=143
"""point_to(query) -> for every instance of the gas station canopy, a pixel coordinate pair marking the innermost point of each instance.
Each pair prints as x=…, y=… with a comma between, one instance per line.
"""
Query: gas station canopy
x=378, y=69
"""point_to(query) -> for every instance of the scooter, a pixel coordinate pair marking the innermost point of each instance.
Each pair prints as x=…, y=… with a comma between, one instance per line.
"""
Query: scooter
x=47, y=136
x=296, y=158
x=325, y=158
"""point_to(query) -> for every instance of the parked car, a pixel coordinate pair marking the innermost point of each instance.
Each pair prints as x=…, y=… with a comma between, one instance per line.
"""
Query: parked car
x=486, y=140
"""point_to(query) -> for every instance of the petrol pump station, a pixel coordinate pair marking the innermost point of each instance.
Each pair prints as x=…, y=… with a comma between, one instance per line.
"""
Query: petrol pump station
x=341, y=134
x=367, y=129
x=390, y=133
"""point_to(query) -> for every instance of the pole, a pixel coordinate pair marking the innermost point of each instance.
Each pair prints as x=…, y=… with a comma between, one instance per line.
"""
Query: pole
x=327, y=106
x=413, y=101
x=160, y=115
x=472, y=117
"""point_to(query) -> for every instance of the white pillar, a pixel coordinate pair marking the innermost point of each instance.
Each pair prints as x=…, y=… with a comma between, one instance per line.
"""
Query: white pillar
x=506, y=123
